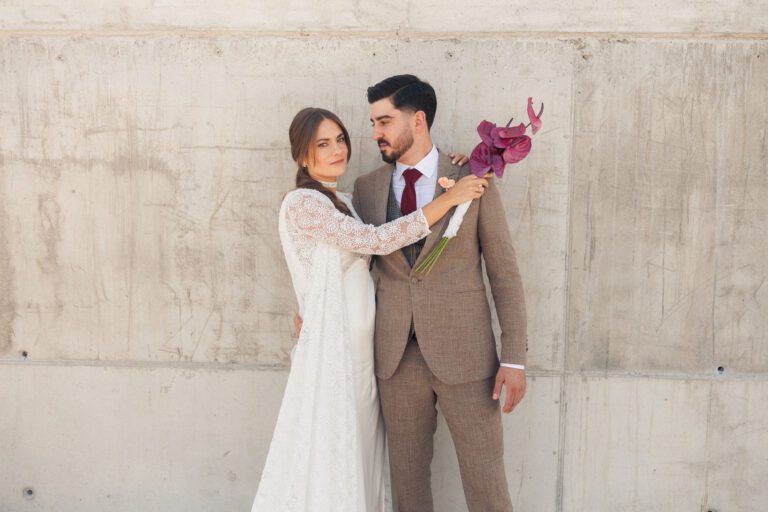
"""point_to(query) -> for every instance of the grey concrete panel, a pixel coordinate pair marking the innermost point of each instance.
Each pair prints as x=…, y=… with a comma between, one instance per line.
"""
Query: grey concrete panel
x=741, y=253
x=134, y=439
x=649, y=167
x=164, y=439
x=531, y=453
x=635, y=444
x=726, y=16
x=738, y=437
x=142, y=179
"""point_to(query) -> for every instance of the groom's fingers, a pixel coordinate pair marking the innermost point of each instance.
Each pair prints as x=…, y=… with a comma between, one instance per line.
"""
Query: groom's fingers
x=497, y=386
x=519, y=394
x=509, y=403
x=515, y=400
x=515, y=393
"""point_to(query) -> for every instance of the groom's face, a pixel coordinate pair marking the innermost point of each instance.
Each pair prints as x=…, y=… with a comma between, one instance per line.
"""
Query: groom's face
x=392, y=130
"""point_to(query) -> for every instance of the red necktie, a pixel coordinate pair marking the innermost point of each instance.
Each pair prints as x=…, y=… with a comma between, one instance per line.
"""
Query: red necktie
x=408, y=201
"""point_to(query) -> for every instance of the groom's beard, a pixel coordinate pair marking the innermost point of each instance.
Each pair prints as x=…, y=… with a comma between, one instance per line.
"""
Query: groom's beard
x=399, y=148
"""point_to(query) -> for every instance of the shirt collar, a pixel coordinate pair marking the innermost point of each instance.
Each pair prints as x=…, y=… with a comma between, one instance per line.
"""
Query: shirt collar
x=426, y=166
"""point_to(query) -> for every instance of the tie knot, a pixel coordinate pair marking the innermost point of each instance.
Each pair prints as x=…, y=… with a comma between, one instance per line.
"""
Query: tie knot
x=411, y=176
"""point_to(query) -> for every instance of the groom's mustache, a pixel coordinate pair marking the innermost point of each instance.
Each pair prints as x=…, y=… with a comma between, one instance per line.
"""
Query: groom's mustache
x=382, y=143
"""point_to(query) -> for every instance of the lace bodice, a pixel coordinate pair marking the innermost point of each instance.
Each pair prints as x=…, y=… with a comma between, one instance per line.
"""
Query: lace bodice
x=311, y=218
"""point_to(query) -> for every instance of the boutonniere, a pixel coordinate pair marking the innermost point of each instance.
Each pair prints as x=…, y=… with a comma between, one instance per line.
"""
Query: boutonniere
x=446, y=183
x=498, y=148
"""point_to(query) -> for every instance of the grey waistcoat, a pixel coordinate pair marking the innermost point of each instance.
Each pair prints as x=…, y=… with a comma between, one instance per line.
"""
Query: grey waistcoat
x=393, y=213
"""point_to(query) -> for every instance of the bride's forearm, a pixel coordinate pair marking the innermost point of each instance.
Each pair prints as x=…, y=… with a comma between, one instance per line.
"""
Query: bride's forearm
x=435, y=210
x=467, y=188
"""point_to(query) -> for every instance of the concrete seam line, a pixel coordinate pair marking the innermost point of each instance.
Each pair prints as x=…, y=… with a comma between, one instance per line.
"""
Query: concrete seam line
x=587, y=374
x=563, y=409
x=402, y=35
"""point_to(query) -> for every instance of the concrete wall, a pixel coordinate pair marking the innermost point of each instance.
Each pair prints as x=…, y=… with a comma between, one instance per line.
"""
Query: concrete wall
x=145, y=310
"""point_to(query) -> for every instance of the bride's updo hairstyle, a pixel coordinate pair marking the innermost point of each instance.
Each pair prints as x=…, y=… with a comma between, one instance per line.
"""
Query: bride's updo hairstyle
x=302, y=134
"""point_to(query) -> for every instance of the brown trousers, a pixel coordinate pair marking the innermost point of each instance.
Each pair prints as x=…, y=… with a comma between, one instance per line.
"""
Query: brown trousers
x=408, y=401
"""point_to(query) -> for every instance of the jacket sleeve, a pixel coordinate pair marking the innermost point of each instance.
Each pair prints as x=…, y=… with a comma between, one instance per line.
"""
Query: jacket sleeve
x=503, y=275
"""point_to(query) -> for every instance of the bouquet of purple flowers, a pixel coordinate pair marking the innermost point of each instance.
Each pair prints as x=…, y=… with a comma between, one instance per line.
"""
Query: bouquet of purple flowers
x=498, y=147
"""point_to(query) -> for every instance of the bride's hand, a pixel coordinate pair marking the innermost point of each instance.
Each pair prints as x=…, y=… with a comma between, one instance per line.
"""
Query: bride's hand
x=458, y=158
x=468, y=188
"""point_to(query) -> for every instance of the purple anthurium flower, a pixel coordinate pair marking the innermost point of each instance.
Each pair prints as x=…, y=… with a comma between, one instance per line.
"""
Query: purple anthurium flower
x=503, y=137
x=497, y=164
x=485, y=159
x=499, y=147
x=480, y=159
x=485, y=130
x=512, y=131
x=518, y=150
x=502, y=146
x=534, y=118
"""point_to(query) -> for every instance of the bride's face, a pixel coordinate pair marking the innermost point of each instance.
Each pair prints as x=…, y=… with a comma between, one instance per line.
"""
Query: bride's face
x=328, y=153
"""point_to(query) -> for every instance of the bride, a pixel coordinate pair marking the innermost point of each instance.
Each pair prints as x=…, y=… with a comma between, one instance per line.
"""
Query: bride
x=328, y=448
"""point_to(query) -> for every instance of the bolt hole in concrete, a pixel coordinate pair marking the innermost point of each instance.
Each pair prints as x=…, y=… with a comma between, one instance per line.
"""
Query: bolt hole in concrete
x=29, y=493
x=720, y=370
x=24, y=354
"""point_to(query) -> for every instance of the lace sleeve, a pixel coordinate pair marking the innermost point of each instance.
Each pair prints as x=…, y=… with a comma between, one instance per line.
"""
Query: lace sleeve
x=314, y=215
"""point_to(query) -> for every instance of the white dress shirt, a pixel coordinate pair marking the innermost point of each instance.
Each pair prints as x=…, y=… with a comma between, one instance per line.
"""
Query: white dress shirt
x=425, y=186
x=425, y=191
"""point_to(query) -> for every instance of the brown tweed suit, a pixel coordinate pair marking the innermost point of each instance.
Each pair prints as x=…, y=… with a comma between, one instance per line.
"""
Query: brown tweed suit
x=453, y=358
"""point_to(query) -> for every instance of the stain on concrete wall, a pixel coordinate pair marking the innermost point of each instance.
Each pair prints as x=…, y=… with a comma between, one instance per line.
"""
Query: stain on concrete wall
x=7, y=301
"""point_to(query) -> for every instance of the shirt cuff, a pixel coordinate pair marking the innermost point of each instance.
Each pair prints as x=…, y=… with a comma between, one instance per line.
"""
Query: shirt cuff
x=516, y=366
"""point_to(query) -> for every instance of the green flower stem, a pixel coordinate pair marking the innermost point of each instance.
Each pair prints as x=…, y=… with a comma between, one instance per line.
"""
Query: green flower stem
x=426, y=266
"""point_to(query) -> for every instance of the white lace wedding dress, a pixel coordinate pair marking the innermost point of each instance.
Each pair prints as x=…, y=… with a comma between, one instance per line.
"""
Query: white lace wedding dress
x=328, y=449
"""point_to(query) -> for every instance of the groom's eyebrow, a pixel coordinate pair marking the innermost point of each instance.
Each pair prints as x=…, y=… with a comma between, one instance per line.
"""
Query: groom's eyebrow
x=385, y=116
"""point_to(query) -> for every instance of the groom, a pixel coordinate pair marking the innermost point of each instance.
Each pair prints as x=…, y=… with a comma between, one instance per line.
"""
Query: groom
x=434, y=341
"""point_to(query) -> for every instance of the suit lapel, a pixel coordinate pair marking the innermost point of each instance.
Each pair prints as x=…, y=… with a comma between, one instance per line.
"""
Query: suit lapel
x=445, y=169
x=382, y=184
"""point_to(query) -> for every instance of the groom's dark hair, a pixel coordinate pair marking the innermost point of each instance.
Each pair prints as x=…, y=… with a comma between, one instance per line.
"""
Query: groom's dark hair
x=406, y=92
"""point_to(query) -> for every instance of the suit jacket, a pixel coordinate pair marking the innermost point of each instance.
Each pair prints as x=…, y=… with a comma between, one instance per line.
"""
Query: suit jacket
x=449, y=308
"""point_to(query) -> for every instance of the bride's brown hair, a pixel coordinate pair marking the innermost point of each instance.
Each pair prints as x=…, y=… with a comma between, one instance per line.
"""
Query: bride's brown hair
x=302, y=134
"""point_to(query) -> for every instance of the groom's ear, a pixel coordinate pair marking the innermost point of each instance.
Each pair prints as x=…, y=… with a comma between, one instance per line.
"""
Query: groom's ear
x=420, y=121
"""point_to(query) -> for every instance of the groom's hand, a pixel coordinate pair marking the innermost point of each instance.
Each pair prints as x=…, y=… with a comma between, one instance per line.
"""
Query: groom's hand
x=514, y=380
